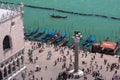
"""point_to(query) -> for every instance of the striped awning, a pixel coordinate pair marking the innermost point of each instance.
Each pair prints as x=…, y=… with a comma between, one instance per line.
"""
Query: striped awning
x=109, y=45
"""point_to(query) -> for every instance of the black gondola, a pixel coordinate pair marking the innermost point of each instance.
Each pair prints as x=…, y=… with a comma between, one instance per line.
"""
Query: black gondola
x=40, y=33
x=33, y=32
x=60, y=38
x=49, y=35
x=57, y=16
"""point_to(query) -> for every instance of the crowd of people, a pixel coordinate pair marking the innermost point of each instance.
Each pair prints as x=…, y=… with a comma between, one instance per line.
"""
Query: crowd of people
x=95, y=66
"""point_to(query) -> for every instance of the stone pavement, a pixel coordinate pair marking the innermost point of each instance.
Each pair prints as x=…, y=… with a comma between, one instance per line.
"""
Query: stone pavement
x=53, y=71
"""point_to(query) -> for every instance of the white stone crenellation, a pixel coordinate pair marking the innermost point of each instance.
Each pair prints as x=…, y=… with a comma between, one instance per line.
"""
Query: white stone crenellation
x=11, y=11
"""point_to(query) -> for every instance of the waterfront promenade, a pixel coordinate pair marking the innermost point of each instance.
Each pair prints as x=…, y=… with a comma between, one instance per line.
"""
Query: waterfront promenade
x=50, y=65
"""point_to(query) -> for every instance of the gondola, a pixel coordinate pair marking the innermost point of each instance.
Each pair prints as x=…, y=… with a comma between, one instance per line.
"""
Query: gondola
x=33, y=32
x=40, y=33
x=63, y=35
x=57, y=16
x=88, y=42
x=53, y=38
x=115, y=18
x=50, y=34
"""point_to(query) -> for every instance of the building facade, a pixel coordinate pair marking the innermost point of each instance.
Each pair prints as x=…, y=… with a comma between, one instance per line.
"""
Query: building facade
x=11, y=43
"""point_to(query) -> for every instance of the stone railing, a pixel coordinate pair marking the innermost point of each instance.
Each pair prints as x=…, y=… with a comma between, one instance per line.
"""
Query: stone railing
x=10, y=62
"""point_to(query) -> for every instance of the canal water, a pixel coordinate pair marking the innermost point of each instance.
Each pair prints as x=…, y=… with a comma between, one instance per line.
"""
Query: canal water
x=87, y=25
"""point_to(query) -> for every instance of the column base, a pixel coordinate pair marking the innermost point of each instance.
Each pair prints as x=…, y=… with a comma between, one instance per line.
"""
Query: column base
x=78, y=74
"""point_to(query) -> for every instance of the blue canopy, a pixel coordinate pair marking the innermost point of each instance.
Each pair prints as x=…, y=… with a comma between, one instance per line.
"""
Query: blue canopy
x=63, y=35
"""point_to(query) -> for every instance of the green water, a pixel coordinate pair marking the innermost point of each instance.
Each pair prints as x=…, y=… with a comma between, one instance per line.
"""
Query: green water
x=100, y=27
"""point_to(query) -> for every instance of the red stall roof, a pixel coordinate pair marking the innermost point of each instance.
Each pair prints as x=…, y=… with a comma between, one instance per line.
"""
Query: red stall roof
x=108, y=44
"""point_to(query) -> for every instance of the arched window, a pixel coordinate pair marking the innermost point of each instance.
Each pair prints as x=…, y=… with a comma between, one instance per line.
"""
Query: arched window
x=22, y=59
x=18, y=63
x=5, y=72
x=13, y=68
x=6, y=43
x=9, y=69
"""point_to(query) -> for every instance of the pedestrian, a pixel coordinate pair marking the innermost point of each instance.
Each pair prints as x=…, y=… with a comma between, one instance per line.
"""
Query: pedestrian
x=67, y=53
x=50, y=78
x=41, y=78
x=101, y=55
x=33, y=77
x=35, y=61
x=119, y=59
x=96, y=66
x=45, y=67
x=85, y=54
x=36, y=58
x=115, y=72
x=105, y=61
x=82, y=55
x=107, y=68
x=70, y=58
x=23, y=75
x=85, y=77
x=117, y=67
x=55, y=63
x=60, y=59
x=100, y=67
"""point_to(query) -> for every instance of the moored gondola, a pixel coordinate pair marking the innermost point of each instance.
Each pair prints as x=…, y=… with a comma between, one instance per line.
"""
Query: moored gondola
x=88, y=42
x=53, y=38
x=33, y=32
x=40, y=33
x=49, y=35
x=63, y=35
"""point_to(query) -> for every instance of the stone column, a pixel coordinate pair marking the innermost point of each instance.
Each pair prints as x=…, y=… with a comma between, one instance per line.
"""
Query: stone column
x=76, y=58
x=76, y=39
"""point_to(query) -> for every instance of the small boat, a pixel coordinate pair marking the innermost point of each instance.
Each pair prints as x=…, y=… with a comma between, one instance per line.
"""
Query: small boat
x=89, y=41
x=115, y=18
x=53, y=38
x=40, y=33
x=63, y=35
x=53, y=33
x=57, y=16
x=49, y=35
x=60, y=38
x=33, y=32
x=103, y=16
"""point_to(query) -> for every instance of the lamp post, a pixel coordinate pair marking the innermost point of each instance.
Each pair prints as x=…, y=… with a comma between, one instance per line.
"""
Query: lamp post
x=76, y=37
